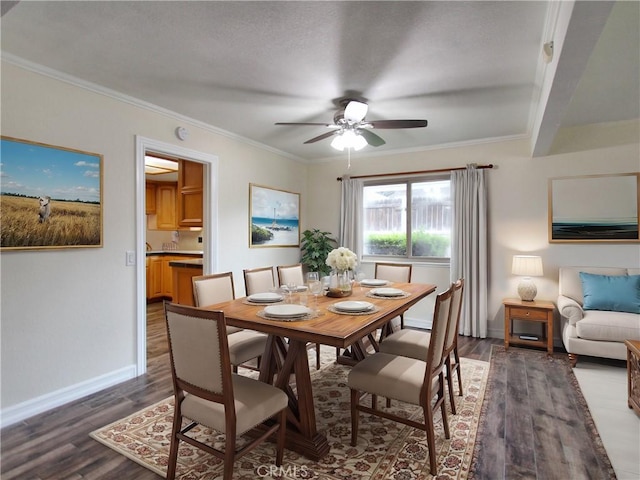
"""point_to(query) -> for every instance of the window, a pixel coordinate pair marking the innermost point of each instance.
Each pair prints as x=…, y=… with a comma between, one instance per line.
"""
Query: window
x=409, y=218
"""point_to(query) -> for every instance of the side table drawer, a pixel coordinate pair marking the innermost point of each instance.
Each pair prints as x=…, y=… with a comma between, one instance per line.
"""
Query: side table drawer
x=526, y=313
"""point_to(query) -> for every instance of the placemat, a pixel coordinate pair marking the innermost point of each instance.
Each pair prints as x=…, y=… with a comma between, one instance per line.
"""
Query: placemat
x=333, y=309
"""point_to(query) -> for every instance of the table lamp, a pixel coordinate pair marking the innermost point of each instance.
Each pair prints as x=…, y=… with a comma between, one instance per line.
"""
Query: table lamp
x=527, y=266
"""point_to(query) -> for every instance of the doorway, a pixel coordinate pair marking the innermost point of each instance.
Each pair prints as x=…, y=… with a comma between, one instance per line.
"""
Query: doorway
x=209, y=228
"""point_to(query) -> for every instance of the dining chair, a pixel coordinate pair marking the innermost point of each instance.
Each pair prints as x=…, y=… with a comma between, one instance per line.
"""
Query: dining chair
x=244, y=345
x=290, y=274
x=393, y=272
x=293, y=274
x=258, y=280
x=418, y=382
x=415, y=343
x=206, y=392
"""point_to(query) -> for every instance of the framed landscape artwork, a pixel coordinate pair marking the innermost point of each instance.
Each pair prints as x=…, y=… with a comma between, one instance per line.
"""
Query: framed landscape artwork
x=50, y=197
x=594, y=208
x=274, y=217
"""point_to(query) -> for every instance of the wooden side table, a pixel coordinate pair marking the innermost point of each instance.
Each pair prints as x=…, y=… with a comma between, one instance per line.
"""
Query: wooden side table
x=633, y=374
x=540, y=311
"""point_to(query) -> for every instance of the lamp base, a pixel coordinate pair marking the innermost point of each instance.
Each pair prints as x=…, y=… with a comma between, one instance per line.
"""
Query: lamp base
x=527, y=290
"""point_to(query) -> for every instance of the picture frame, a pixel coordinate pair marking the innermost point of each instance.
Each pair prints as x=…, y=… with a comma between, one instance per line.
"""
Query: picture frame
x=594, y=208
x=50, y=196
x=274, y=217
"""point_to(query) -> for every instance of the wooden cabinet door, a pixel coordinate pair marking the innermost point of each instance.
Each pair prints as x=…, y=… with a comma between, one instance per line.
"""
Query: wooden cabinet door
x=166, y=207
x=154, y=277
x=150, y=198
x=190, y=198
x=167, y=277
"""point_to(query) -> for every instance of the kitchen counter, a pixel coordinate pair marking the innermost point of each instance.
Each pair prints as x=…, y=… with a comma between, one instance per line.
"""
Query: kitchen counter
x=194, y=253
x=187, y=263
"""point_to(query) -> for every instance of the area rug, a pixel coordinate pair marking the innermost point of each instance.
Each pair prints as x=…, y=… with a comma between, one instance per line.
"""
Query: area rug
x=385, y=449
x=535, y=422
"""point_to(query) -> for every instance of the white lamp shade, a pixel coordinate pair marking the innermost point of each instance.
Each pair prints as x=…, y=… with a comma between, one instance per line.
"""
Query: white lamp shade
x=527, y=266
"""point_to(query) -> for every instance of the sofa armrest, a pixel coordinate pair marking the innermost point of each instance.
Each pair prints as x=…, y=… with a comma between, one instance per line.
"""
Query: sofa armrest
x=570, y=309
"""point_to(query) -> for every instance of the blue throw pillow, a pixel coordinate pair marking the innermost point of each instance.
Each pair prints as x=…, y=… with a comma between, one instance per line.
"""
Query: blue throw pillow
x=617, y=293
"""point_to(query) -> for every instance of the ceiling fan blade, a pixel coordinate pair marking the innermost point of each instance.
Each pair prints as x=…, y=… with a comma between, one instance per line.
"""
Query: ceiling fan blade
x=371, y=138
x=322, y=137
x=305, y=123
x=398, y=123
x=355, y=111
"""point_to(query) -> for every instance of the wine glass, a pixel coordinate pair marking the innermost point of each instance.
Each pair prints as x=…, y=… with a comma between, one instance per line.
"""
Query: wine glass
x=360, y=275
x=291, y=288
x=315, y=286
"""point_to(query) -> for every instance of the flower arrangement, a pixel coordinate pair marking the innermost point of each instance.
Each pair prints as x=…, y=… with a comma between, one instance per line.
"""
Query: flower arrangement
x=342, y=259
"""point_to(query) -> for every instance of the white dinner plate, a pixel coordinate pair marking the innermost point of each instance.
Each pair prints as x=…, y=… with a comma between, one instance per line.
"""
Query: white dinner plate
x=387, y=292
x=353, y=306
x=266, y=297
x=286, y=311
x=373, y=282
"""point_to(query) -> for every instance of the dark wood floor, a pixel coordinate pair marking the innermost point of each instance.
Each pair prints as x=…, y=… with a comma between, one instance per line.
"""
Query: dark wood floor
x=56, y=444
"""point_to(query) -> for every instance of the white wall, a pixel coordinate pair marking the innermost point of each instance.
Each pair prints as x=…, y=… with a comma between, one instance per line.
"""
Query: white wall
x=68, y=316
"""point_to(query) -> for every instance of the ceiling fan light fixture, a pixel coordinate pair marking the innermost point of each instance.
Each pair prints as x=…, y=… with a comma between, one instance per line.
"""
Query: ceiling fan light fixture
x=338, y=142
x=354, y=112
x=349, y=139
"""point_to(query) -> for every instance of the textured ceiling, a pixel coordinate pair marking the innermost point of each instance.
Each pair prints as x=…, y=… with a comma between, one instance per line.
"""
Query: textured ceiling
x=474, y=70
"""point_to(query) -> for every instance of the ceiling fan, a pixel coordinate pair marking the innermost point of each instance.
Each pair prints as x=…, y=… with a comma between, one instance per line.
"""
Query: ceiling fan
x=351, y=130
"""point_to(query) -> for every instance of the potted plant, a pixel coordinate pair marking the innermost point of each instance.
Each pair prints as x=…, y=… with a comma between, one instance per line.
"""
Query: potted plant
x=316, y=246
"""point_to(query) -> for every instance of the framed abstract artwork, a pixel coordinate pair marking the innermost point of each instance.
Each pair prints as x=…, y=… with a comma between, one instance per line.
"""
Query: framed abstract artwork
x=50, y=197
x=594, y=208
x=274, y=217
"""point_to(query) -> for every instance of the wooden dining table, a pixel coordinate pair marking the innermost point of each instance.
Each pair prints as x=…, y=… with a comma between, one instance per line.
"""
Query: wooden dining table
x=285, y=355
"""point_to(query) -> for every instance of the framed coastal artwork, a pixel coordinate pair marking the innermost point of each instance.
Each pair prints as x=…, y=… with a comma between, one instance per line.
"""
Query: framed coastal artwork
x=50, y=196
x=594, y=208
x=274, y=217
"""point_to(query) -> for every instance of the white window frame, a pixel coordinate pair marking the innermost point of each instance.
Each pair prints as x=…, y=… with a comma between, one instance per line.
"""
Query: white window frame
x=409, y=181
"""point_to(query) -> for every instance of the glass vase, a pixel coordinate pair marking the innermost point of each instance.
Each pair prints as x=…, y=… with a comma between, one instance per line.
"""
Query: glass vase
x=339, y=284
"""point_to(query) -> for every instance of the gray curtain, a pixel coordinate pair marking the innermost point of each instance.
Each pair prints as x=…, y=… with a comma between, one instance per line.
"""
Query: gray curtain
x=469, y=247
x=350, y=234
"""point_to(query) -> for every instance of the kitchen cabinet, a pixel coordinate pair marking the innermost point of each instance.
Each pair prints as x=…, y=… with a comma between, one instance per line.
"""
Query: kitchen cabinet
x=166, y=206
x=160, y=276
x=183, y=272
x=190, y=198
x=150, y=198
x=154, y=277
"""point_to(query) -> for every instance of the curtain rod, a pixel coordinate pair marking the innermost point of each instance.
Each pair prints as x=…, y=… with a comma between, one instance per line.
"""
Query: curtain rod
x=440, y=170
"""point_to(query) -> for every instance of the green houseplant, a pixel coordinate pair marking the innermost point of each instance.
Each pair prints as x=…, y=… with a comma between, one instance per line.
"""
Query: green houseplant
x=315, y=247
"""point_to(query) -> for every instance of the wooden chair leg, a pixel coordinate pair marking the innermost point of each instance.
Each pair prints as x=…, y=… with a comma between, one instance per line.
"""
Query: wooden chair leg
x=317, y=356
x=447, y=364
x=229, y=456
x=457, y=368
x=431, y=439
x=173, y=450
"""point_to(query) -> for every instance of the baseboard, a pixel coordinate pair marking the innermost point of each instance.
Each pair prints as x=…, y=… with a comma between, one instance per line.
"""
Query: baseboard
x=24, y=410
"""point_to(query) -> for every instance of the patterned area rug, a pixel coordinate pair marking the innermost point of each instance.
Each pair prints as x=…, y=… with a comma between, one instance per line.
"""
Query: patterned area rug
x=385, y=449
x=535, y=422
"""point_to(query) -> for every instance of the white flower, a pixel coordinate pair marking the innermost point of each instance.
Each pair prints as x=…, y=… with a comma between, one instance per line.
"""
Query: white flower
x=342, y=259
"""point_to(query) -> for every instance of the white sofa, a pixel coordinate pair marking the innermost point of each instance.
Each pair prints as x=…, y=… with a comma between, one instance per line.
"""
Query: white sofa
x=598, y=333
